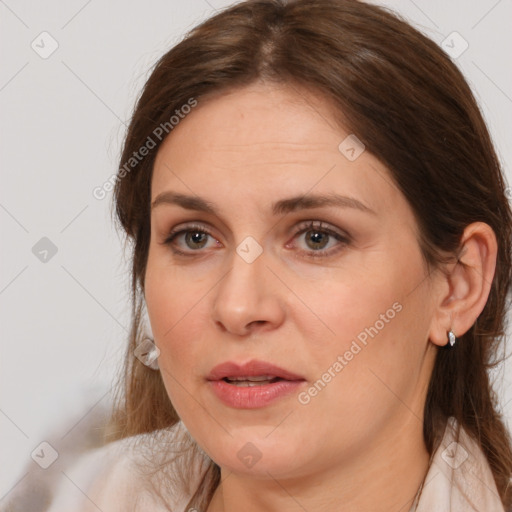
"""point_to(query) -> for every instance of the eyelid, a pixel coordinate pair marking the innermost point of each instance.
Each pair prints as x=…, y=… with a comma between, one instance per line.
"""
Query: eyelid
x=321, y=226
x=186, y=227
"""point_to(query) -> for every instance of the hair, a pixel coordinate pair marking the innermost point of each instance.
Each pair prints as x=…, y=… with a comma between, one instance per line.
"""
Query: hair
x=412, y=108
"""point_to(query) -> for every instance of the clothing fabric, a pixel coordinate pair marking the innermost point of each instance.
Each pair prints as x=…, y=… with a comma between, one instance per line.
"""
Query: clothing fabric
x=459, y=478
x=118, y=476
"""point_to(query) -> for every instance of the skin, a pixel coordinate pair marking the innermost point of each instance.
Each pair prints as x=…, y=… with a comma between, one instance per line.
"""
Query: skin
x=358, y=444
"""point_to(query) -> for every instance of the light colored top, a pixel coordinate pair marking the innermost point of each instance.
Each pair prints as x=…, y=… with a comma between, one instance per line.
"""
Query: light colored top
x=111, y=478
x=459, y=478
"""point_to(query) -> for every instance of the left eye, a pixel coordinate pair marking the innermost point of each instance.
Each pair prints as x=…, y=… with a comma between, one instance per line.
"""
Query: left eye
x=317, y=238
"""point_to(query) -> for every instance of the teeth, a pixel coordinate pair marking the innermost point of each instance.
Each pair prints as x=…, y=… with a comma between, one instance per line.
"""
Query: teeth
x=258, y=378
x=248, y=383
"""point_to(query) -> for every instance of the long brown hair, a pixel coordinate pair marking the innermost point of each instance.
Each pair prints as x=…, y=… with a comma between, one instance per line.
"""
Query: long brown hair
x=411, y=107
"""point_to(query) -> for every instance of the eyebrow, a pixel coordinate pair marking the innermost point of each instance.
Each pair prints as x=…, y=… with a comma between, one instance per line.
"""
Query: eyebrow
x=283, y=206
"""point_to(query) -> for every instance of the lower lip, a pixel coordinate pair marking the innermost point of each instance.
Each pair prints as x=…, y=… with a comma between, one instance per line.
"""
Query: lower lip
x=254, y=396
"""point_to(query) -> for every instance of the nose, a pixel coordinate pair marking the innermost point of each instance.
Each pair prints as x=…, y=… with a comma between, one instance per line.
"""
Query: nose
x=248, y=298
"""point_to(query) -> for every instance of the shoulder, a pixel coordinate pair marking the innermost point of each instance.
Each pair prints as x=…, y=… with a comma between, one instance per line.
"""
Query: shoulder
x=132, y=474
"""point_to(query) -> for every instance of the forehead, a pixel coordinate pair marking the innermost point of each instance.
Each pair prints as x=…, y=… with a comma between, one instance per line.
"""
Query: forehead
x=268, y=139
x=257, y=120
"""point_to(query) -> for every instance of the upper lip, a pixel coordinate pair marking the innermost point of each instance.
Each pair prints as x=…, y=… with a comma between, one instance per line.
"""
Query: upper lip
x=252, y=368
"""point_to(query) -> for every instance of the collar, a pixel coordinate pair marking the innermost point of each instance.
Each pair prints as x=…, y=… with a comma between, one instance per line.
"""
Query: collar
x=459, y=478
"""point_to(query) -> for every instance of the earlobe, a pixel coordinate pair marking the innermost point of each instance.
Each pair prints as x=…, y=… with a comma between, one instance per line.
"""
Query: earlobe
x=467, y=285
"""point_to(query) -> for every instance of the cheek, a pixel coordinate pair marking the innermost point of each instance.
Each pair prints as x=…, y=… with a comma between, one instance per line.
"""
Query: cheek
x=379, y=326
x=177, y=334
x=374, y=317
x=173, y=303
x=351, y=301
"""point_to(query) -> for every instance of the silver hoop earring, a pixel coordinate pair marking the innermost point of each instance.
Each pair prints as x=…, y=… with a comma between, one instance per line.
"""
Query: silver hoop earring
x=147, y=353
x=451, y=337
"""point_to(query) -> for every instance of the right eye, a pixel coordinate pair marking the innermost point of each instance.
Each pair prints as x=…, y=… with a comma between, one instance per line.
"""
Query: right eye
x=193, y=238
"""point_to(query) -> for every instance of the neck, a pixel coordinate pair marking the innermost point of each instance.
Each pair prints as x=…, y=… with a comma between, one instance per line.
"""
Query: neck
x=386, y=478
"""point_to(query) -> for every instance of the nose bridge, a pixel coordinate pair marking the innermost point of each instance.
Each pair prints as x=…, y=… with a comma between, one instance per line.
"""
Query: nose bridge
x=245, y=295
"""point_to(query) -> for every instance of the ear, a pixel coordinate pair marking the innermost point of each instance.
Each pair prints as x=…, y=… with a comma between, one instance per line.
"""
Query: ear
x=465, y=284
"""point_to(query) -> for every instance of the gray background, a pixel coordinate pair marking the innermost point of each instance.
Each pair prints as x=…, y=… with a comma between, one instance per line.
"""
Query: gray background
x=64, y=321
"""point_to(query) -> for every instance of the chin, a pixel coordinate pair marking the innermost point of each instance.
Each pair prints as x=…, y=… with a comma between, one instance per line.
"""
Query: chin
x=252, y=451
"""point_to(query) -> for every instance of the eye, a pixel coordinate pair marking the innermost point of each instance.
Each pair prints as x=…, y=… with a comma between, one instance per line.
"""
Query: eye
x=317, y=238
x=195, y=237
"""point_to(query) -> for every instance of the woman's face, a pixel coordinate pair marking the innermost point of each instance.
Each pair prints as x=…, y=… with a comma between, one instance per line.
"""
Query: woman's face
x=342, y=307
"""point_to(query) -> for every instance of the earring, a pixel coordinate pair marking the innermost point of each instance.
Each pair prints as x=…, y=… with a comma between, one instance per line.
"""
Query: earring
x=451, y=337
x=147, y=353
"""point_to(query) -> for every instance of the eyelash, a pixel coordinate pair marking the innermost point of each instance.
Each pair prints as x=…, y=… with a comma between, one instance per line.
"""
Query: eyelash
x=303, y=228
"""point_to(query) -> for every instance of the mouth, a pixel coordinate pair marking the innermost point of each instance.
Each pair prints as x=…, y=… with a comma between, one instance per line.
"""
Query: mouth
x=252, y=373
x=252, y=385
x=246, y=382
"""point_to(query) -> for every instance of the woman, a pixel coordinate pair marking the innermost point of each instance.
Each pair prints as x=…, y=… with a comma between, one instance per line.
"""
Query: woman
x=321, y=238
